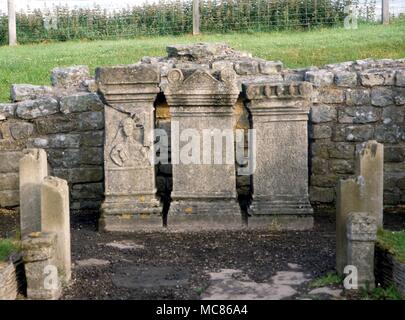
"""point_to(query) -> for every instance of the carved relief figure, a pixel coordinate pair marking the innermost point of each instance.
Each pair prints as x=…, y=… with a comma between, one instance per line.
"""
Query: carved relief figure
x=128, y=149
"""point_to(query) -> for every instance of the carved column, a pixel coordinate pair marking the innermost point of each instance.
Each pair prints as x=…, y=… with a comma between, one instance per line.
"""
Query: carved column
x=130, y=192
x=204, y=189
x=280, y=182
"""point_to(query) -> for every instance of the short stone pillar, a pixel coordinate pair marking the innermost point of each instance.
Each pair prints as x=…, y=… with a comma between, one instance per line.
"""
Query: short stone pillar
x=361, y=237
x=204, y=182
x=55, y=217
x=364, y=193
x=130, y=188
x=280, y=181
x=370, y=166
x=40, y=266
x=33, y=170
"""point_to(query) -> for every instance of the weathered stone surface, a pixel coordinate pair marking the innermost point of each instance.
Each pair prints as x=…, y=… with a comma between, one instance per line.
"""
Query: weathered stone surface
x=320, y=149
x=358, y=133
x=358, y=115
x=87, y=191
x=32, y=109
x=341, y=150
x=345, y=79
x=393, y=114
x=391, y=133
x=400, y=78
x=331, y=95
x=80, y=175
x=55, y=218
x=361, y=236
x=341, y=166
x=377, y=78
x=222, y=64
x=21, y=130
x=322, y=113
x=8, y=281
x=9, y=161
x=320, y=166
x=22, y=92
x=81, y=102
x=7, y=110
x=270, y=67
x=394, y=153
x=324, y=195
x=321, y=131
x=328, y=180
x=9, y=198
x=357, y=97
x=247, y=67
x=381, y=96
x=9, y=181
x=33, y=170
x=197, y=51
x=319, y=77
x=70, y=76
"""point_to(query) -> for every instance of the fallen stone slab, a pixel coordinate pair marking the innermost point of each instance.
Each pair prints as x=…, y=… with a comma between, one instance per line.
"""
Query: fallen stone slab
x=87, y=263
x=336, y=293
x=125, y=245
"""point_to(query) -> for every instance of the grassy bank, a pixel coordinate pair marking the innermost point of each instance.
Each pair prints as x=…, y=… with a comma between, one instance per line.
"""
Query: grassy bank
x=32, y=63
x=394, y=242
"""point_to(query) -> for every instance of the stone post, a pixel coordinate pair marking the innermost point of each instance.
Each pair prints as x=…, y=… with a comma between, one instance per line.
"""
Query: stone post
x=55, y=217
x=204, y=184
x=33, y=170
x=280, y=182
x=130, y=188
x=361, y=237
x=370, y=166
x=40, y=268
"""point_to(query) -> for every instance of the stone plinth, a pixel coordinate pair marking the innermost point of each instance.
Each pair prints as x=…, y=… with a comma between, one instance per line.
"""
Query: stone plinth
x=55, y=218
x=130, y=190
x=204, y=184
x=280, y=182
x=361, y=237
x=33, y=170
x=40, y=266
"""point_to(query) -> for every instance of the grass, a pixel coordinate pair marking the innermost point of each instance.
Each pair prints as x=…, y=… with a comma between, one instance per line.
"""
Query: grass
x=7, y=246
x=32, y=63
x=329, y=279
x=393, y=242
x=379, y=293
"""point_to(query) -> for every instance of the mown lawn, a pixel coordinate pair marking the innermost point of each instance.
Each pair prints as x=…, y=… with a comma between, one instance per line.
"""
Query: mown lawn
x=32, y=63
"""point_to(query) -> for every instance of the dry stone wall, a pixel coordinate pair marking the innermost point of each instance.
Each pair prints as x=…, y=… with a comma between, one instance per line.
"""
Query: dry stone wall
x=352, y=102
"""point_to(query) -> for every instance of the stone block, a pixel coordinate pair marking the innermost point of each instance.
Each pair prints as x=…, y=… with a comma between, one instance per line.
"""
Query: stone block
x=33, y=170
x=55, y=216
x=400, y=78
x=80, y=175
x=359, y=133
x=270, y=67
x=7, y=110
x=377, y=78
x=326, y=180
x=358, y=115
x=9, y=181
x=341, y=150
x=346, y=79
x=323, y=195
x=331, y=95
x=357, y=97
x=21, y=130
x=87, y=191
x=393, y=114
x=9, y=161
x=322, y=113
x=9, y=198
x=22, y=92
x=321, y=131
x=81, y=102
x=32, y=109
x=70, y=76
x=319, y=77
x=246, y=67
x=382, y=97
x=341, y=166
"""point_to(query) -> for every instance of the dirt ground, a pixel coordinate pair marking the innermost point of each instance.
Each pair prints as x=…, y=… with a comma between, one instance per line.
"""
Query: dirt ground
x=177, y=265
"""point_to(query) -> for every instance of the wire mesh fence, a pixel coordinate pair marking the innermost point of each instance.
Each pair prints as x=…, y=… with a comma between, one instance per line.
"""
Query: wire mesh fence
x=174, y=17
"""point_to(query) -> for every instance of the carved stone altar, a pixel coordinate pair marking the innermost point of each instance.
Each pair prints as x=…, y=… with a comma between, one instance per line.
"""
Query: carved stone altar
x=130, y=191
x=280, y=182
x=204, y=189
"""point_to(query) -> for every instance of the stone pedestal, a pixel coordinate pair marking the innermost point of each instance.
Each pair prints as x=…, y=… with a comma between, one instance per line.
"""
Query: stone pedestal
x=361, y=237
x=130, y=191
x=204, y=183
x=33, y=170
x=280, y=182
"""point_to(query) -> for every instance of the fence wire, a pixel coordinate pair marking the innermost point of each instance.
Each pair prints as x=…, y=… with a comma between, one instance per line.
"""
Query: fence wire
x=62, y=23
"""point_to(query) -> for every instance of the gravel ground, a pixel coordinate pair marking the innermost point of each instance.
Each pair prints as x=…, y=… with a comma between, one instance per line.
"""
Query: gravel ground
x=175, y=265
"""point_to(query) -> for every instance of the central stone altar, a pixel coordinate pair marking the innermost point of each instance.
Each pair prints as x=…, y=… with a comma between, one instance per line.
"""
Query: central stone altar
x=204, y=187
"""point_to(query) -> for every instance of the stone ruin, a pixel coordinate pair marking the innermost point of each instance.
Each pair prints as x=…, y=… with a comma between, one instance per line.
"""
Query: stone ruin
x=308, y=122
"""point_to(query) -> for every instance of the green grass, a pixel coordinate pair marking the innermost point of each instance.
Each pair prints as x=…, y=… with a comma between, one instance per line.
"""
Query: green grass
x=32, y=63
x=394, y=242
x=379, y=293
x=329, y=279
x=7, y=246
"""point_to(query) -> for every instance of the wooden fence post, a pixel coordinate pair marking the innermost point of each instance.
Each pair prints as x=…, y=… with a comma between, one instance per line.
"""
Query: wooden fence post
x=196, y=17
x=385, y=11
x=12, y=28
